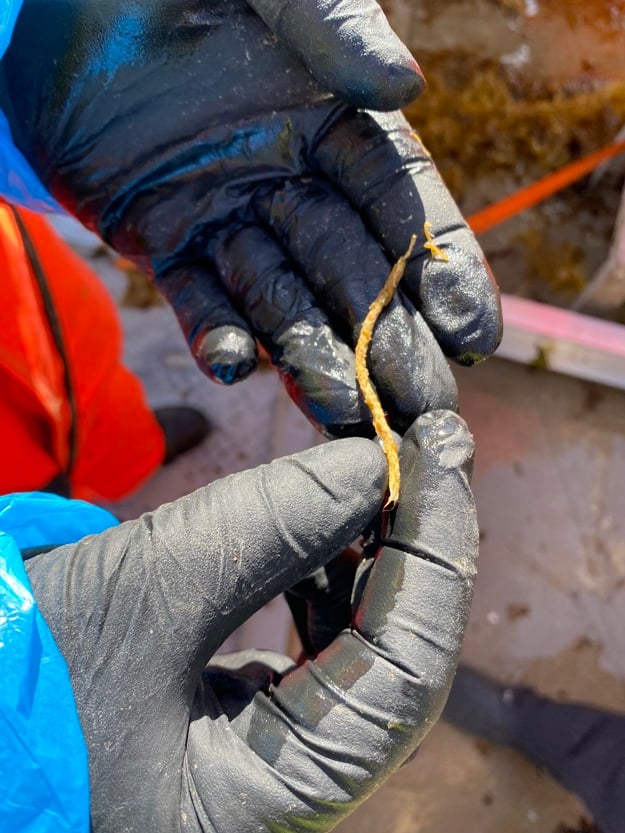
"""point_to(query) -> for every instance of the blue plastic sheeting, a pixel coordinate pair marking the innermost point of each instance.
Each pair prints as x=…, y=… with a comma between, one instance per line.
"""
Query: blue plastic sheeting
x=35, y=519
x=9, y=10
x=44, y=782
x=43, y=760
x=19, y=184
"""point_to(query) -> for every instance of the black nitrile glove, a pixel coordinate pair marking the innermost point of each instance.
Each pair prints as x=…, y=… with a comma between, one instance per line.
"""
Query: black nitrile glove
x=195, y=142
x=252, y=744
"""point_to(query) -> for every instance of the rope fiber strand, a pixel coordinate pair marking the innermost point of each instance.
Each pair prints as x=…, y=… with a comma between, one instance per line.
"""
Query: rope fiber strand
x=380, y=423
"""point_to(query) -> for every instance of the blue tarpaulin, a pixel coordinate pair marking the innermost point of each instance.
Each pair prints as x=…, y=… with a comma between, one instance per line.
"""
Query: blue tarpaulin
x=44, y=785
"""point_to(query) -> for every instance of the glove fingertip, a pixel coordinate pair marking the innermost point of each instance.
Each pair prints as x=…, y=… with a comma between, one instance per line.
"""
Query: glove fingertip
x=377, y=471
x=445, y=436
x=350, y=48
x=379, y=85
x=365, y=460
x=226, y=354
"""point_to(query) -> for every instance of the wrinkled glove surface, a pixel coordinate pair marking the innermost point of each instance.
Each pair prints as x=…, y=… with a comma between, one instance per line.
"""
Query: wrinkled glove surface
x=251, y=743
x=193, y=138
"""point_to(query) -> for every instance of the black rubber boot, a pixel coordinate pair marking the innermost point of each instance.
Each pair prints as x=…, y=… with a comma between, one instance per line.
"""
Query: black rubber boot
x=581, y=747
x=483, y=708
x=59, y=485
x=184, y=428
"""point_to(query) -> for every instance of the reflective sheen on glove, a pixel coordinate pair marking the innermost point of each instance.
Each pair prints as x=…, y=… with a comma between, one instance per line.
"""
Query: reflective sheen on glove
x=194, y=140
x=251, y=743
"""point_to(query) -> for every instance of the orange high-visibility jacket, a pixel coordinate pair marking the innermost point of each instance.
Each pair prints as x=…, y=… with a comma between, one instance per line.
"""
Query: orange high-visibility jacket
x=67, y=404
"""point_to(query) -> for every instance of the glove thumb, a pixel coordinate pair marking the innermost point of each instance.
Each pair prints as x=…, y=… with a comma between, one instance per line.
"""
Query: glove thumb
x=349, y=47
x=178, y=581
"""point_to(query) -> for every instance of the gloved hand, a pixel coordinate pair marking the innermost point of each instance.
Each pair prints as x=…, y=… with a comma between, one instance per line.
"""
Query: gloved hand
x=196, y=143
x=250, y=743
